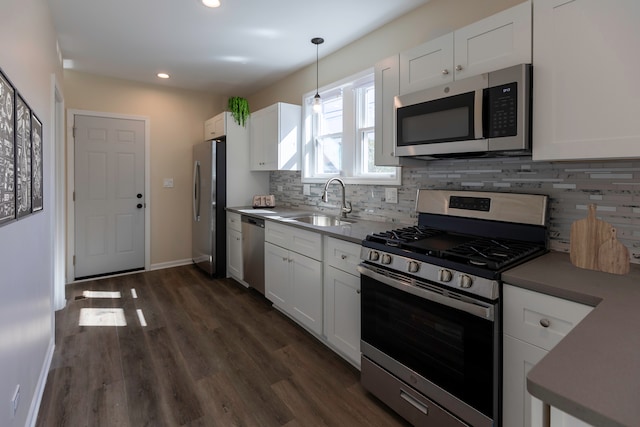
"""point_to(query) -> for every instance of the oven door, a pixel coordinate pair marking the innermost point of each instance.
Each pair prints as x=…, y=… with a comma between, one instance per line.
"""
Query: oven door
x=443, y=344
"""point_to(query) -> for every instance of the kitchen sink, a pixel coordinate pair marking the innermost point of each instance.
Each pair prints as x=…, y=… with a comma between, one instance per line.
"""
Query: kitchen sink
x=321, y=220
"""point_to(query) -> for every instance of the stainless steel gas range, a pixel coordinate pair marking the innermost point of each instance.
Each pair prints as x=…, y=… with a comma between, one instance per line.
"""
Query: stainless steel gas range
x=430, y=304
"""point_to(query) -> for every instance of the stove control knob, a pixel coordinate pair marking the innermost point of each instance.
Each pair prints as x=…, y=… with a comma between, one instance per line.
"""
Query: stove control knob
x=445, y=275
x=386, y=259
x=413, y=267
x=465, y=281
x=374, y=255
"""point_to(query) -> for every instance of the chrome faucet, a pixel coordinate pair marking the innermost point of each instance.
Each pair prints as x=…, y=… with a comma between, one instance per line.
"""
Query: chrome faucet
x=346, y=206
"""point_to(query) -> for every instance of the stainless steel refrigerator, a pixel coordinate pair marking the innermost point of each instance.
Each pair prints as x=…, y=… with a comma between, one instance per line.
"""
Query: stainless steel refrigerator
x=209, y=202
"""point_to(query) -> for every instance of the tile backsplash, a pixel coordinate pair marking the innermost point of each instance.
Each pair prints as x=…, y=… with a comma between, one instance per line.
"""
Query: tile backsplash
x=614, y=186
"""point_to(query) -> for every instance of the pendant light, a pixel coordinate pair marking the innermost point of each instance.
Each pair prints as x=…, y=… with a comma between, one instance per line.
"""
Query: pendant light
x=211, y=3
x=317, y=105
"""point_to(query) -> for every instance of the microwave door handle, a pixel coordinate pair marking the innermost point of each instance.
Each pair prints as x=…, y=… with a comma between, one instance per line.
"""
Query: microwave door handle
x=479, y=107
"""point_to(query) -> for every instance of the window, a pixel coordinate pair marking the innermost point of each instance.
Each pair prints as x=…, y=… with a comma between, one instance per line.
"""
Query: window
x=339, y=140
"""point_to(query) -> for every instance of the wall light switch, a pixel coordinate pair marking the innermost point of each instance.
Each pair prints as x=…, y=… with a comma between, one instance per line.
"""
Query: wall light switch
x=391, y=195
x=306, y=189
x=167, y=183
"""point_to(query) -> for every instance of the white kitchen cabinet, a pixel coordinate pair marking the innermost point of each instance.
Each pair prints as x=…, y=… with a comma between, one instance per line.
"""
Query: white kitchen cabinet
x=585, y=94
x=387, y=86
x=562, y=419
x=275, y=137
x=234, y=246
x=533, y=323
x=215, y=127
x=342, y=298
x=498, y=41
x=293, y=273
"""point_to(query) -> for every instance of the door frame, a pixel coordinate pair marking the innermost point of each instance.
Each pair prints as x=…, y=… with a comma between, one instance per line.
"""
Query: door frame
x=71, y=145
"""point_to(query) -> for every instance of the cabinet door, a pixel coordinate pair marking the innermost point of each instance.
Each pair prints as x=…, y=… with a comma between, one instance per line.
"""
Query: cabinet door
x=387, y=86
x=518, y=359
x=498, y=41
x=263, y=129
x=234, y=253
x=277, y=283
x=215, y=127
x=342, y=312
x=585, y=94
x=306, y=297
x=427, y=65
x=562, y=419
x=287, y=144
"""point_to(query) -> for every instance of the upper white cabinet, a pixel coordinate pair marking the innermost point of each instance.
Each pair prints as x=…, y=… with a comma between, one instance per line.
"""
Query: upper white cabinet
x=498, y=41
x=533, y=324
x=275, y=137
x=215, y=127
x=586, y=95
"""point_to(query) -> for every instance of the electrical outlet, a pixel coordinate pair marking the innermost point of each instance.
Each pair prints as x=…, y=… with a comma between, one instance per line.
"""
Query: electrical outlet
x=15, y=401
x=306, y=189
x=167, y=183
x=391, y=195
x=280, y=188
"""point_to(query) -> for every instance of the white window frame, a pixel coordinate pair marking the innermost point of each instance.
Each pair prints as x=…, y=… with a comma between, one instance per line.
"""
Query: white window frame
x=351, y=148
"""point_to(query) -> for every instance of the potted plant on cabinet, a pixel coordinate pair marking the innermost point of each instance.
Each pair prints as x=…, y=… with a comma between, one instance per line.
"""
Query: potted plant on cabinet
x=239, y=108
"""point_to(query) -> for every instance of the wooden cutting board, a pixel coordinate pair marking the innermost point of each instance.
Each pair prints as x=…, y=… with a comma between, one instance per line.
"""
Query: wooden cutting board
x=613, y=256
x=587, y=235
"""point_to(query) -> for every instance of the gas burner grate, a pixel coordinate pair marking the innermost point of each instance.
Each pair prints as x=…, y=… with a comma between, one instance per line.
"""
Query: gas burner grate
x=400, y=236
x=492, y=253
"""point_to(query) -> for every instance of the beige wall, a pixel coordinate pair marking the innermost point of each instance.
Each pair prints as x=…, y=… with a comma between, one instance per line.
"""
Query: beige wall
x=434, y=19
x=176, y=122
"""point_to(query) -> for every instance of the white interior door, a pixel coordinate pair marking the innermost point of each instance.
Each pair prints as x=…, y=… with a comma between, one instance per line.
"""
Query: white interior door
x=109, y=195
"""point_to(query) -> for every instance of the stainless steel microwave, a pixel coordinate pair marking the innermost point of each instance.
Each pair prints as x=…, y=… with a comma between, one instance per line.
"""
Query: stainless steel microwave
x=484, y=115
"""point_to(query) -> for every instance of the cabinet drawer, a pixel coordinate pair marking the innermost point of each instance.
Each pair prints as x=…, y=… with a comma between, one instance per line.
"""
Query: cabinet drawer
x=343, y=255
x=539, y=319
x=297, y=240
x=233, y=221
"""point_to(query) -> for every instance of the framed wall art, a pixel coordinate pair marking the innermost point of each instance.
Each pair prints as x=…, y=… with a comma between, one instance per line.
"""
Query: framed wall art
x=23, y=158
x=36, y=164
x=7, y=151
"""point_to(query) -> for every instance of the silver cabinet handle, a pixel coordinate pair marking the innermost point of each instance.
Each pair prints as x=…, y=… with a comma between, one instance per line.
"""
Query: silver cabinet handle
x=343, y=256
x=445, y=72
x=358, y=291
x=545, y=323
x=458, y=67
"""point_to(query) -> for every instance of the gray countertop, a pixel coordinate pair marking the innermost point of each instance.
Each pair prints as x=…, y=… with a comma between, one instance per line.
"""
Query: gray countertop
x=354, y=232
x=594, y=372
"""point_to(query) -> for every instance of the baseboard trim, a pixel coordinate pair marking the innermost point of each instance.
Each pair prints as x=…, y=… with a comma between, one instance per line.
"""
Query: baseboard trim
x=32, y=417
x=170, y=264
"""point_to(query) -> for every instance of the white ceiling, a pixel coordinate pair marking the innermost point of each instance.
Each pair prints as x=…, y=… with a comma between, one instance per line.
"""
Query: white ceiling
x=236, y=49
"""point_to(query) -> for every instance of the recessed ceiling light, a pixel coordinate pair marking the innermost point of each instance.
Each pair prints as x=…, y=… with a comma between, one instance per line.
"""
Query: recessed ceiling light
x=163, y=75
x=211, y=3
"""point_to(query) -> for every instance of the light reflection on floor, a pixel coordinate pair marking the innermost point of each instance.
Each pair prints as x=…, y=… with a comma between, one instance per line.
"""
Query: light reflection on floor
x=107, y=316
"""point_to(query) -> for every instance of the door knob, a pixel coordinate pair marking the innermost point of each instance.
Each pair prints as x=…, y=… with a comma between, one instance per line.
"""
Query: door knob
x=139, y=206
x=139, y=196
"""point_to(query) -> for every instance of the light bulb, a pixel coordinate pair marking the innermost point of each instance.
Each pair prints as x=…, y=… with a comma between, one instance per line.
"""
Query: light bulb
x=211, y=3
x=317, y=104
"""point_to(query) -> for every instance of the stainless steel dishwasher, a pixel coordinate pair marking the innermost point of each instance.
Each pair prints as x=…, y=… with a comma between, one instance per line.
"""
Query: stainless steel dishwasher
x=253, y=252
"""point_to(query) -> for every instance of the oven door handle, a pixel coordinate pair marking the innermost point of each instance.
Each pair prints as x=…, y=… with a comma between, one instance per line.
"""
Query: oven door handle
x=476, y=308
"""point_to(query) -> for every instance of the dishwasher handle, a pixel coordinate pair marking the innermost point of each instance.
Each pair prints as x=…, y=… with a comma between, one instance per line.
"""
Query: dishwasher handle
x=259, y=222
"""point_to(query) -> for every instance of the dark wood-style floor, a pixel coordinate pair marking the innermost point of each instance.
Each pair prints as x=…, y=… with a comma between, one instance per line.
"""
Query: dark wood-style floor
x=212, y=354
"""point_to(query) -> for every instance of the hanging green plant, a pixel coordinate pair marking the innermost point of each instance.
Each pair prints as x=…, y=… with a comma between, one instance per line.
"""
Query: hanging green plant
x=239, y=108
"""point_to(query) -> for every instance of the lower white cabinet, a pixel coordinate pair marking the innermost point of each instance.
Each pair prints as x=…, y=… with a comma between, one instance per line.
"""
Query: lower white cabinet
x=234, y=246
x=293, y=281
x=342, y=298
x=561, y=419
x=342, y=313
x=533, y=324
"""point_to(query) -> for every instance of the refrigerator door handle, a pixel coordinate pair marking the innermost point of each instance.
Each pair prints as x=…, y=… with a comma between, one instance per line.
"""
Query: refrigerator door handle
x=196, y=190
